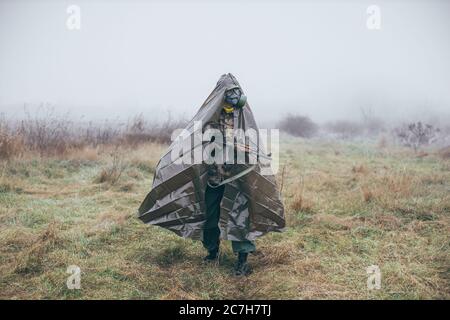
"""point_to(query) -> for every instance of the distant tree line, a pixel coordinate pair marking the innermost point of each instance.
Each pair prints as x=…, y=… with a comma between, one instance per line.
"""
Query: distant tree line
x=414, y=134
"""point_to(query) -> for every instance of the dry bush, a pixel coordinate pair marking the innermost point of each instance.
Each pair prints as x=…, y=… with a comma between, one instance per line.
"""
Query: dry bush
x=299, y=203
x=98, y=134
x=49, y=134
x=10, y=146
x=366, y=194
x=298, y=126
x=140, y=130
x=416, y=135
x=114, y=171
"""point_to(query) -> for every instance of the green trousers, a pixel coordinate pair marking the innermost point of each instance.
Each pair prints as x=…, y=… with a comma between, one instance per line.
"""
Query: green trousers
x=211, y=231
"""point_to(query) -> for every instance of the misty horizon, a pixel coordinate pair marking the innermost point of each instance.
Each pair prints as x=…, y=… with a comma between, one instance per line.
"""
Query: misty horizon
x=313, y=59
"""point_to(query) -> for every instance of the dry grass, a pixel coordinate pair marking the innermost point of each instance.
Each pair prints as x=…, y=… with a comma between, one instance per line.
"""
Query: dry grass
x=367, y=194
x=299, y=203
x=51, y=135
x=11, y=146
x=360, y=169
x=382, y=142
x=30, y=260
x=112, y=173
x=444, y=153
x=87, y=153
x=348, y=206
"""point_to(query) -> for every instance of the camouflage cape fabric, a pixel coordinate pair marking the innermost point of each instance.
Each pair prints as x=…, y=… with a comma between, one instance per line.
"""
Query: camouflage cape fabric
x=251, y=204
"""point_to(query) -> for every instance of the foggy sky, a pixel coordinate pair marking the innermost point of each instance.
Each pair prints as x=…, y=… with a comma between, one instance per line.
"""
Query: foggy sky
x=314, y=58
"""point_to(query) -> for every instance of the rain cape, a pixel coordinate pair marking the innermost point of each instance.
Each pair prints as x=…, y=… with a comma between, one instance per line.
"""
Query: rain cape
x=251, y=203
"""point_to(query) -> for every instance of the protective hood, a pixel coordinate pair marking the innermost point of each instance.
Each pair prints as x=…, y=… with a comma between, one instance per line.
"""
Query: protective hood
x=251, y=204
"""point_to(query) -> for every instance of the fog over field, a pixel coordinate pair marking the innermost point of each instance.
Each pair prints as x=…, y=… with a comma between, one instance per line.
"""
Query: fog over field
x=359, y=91
x=315, y=58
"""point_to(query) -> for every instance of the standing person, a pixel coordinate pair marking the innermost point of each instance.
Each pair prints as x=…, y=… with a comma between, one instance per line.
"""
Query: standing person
x=225, y=195
x=233, y=100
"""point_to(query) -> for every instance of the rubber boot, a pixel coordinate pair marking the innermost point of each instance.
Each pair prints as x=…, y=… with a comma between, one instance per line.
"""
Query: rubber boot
x=212, y=256
x=242, y=268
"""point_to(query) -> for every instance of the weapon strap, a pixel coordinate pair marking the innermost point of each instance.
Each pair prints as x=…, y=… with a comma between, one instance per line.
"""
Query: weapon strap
x=237, y=176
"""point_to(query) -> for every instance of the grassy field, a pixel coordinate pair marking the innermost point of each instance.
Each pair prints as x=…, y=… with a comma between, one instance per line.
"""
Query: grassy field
x=348, y=206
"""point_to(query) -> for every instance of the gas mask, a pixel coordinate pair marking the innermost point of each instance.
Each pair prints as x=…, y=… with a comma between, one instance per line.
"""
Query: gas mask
x=234, y=98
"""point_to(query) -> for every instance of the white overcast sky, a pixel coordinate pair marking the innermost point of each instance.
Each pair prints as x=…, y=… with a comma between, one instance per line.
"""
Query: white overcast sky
x=316, y=58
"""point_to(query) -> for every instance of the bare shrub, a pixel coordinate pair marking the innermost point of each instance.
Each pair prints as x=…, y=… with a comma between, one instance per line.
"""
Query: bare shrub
x=98, y=134
x=299, y=126
x=366, y=194
x=416, y=135
x=10, y=146
x=47, y=134
x=140, y=130
x=300, y=203
x=11, y=143
x=113, y=172
x=51, y=135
